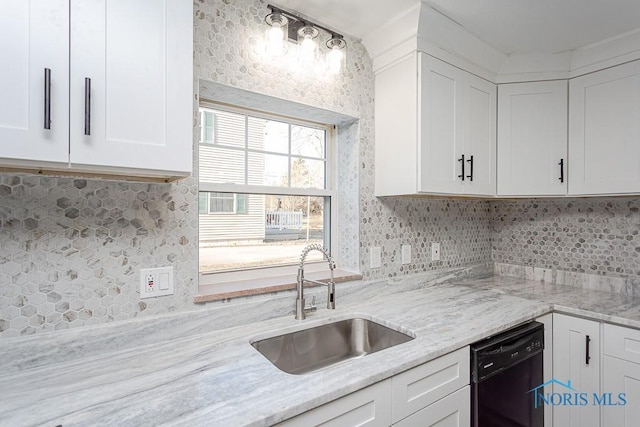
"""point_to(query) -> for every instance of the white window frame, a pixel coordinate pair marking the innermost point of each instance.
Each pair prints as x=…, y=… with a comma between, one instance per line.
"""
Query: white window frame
x=251, y=278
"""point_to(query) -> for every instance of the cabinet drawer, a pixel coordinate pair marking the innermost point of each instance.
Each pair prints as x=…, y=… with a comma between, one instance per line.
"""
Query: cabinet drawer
x=621, y=342
x=451, y=411
x=368, y=407
x=421, y=386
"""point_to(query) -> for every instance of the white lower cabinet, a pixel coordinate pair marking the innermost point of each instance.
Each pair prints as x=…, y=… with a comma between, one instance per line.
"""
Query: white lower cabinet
x=621, y=376
x=370, y=407
x=423, y=385
x=576, y=369
x=435, y=393
x=451, y=411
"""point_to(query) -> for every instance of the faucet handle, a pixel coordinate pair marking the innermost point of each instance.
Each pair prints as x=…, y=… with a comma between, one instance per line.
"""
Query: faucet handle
x=311, y=307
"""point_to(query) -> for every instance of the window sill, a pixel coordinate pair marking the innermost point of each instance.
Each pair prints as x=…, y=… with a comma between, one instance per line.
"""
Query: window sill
x=243, y=288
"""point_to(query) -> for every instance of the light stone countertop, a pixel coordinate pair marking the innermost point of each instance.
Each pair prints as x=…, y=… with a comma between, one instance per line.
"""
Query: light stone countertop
x=218, y=378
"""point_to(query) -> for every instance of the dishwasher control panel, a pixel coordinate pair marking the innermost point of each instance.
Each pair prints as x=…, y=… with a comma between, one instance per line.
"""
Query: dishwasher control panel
x=496, y=354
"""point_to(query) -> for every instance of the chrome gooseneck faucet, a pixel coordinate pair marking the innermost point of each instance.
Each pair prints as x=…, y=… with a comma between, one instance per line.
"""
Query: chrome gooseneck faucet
x=301, y=308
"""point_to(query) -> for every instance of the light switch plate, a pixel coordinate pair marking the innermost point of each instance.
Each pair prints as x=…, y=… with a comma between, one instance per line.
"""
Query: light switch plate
x=376, y=257
x=406, y=254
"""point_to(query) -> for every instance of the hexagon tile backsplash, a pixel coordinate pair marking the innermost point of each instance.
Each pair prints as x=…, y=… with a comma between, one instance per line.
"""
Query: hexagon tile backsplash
x=597, y=236
x=72, y=248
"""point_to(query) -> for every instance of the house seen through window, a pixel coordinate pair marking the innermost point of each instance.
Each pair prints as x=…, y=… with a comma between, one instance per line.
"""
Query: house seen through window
x=264, y=192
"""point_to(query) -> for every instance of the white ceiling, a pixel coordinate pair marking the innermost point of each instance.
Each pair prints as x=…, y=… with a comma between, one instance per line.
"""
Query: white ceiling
x=510, y=26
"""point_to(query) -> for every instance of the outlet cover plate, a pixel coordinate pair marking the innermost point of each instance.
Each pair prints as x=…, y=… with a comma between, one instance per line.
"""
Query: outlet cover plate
x=156, y=282
x=406, y=254
x=376, y=257
x=435, y=251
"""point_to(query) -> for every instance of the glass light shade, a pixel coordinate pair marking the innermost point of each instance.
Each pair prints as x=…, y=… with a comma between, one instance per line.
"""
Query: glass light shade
x=307, y=46
x=336, y=55
x=276, y=36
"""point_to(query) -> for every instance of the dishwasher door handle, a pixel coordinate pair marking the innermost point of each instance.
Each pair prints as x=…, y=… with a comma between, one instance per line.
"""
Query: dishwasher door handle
x=587, y=343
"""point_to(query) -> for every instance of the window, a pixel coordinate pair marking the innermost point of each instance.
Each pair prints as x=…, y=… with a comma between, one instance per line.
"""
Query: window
x=265, y=191
x=222, y=203
x=207, y=135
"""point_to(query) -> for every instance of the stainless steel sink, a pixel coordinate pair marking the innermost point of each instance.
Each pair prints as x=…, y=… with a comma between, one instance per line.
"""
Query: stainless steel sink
x=311, y=349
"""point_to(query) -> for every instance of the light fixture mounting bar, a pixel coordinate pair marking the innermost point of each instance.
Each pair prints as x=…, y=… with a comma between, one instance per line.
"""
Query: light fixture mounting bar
x=275, y=9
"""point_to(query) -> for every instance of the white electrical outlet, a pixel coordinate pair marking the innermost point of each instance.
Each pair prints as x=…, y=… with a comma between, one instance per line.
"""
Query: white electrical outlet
x=406, y=254
x=435, y=251
x=376, y=257
x=156, y=282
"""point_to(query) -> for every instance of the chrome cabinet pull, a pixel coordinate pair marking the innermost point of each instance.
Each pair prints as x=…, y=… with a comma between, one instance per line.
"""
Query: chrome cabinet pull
x=87, y=106
x=470, y=161
x=47, y=98
x=461, y=160
x=561, y=164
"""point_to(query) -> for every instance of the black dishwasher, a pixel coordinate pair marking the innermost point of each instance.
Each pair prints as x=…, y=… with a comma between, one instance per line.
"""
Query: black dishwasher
x=504, y=369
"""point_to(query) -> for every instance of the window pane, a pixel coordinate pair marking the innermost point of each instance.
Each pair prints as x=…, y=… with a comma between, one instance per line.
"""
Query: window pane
x=307, y=173
x=221, y=165
x=307, y=142
x=230, y=128
x=273, y=232
x=241, y=204
x=268, y=169
x=221, y=203
x=208, y=132
x=276, y=136
x=208, y=119
x=203, y=199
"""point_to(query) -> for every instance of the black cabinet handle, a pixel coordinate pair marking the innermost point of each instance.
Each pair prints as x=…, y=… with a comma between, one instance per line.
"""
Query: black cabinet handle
x=461, y=159
x=561, y=164
x=87, y=106
x=47, y=98
x=470, y=161
x=587, y=342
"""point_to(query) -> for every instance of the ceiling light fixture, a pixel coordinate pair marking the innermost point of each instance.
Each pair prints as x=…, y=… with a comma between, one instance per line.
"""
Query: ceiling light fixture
x=286, y=26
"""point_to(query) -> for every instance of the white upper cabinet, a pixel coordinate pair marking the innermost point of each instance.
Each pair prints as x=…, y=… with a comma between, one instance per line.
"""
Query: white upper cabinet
x=604, y=132
x=138, y=57
x=34, y=37
x=435, y=129
x=121, y=86
x=532, y=139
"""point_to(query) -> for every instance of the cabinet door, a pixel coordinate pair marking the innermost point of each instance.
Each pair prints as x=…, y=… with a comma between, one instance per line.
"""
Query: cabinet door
x=34, y=36
x=369, y=407
x=604, y=133
x=440, y=132
x=478, y=115
x=396, y=121
x=138, y=57
x=532, y=139
x=570, y=336
x=451, y=411
x=421, y=386
x=621, y=376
